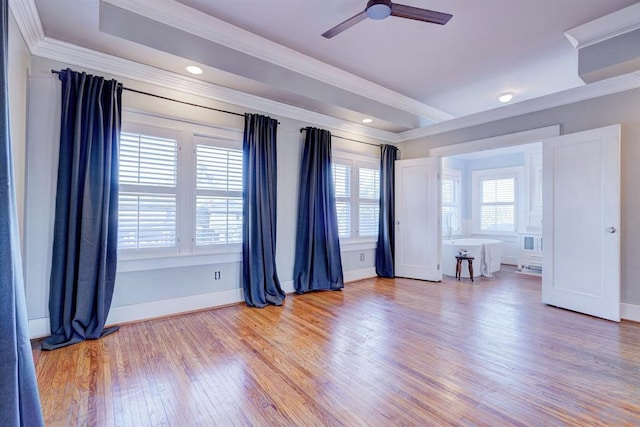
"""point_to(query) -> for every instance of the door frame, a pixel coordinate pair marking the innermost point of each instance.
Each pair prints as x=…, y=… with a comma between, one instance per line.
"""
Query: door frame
x=501, y=141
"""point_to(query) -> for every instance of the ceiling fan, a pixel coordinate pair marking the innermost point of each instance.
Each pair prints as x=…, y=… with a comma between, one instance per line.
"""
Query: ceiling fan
x=380, y=9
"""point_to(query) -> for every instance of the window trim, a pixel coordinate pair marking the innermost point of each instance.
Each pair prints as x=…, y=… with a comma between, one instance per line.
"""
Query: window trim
x=355, y=161
x=515, y=172
x=185, y=253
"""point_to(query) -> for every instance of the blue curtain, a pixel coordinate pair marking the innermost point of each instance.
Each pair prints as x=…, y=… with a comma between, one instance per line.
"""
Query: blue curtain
x=260, y=279
x=386, y=227
x=19, y=400
x=317, y=263
x=85, y=240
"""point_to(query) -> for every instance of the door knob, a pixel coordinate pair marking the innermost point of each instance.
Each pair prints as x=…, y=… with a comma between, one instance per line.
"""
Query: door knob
x=611, y=230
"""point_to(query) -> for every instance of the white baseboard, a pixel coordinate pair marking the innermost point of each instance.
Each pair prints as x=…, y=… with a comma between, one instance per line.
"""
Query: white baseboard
x=39, y=328
x=149, y=310
x=287, y=287
x=630, y=312
x=349, y=276
x=510, y=260
x=365, y=273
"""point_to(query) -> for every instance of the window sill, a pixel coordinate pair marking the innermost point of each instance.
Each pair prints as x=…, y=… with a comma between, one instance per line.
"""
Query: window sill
x=157, y=263
x=358, y=245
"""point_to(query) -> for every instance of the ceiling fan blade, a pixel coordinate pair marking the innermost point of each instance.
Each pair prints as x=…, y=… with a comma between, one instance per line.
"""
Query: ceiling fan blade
x=418, y=14
x=345, y=25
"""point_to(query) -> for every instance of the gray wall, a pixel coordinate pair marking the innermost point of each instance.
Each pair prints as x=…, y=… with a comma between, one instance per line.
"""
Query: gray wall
x=622, y=108
x=166, y=284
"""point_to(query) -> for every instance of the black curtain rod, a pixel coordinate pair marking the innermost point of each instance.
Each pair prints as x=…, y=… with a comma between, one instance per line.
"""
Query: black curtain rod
x=175, y=100
x=348, y=139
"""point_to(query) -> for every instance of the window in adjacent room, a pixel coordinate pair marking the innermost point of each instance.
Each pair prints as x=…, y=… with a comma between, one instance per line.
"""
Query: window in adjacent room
x=496, y=200
x=451, y=202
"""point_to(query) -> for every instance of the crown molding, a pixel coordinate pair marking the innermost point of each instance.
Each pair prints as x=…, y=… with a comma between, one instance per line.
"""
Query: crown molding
x=79, y=56
x=606, y=27
x=569, y=96
x=75, y=55
x=30, y=26
x=28, y=20
x=182, y=17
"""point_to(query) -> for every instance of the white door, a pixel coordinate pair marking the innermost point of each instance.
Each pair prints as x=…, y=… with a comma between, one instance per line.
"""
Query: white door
x=581, y=222
x=417, y=243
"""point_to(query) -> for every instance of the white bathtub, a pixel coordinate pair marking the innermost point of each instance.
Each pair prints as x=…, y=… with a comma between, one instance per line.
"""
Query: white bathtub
x=487, y=254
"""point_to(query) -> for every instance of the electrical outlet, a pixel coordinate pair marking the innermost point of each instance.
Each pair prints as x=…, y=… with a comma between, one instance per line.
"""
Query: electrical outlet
x=361, y=256
x=216, y=275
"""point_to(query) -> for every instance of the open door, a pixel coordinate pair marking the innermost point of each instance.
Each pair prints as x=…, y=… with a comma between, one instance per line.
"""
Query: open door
x=581, y=211
x=417, y=243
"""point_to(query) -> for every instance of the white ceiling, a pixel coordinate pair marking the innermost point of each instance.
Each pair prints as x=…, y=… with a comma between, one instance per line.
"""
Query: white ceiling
x=404, y=73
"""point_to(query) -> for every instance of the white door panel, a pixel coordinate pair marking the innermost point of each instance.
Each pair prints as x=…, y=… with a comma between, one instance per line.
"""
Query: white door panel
x=417, y=252
x=581, y=258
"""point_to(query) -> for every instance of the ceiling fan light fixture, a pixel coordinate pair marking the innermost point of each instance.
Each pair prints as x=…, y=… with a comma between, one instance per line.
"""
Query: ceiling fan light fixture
x=505, y=97
x=378, y=9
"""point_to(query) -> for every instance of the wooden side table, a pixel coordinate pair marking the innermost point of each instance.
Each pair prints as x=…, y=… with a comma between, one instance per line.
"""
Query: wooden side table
x=459, y=260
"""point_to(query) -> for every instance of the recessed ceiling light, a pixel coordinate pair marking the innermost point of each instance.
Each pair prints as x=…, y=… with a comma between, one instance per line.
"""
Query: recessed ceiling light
x=194, y=70
x=367, y=120
x=505, y=97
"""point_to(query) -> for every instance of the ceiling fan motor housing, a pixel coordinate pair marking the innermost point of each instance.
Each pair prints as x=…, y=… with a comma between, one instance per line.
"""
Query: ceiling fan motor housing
x=378, y=9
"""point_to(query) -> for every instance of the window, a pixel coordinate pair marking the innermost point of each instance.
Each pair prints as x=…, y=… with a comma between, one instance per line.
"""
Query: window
x=451, y=202
x=368, y=201
x=218, y=194
x=356, y=181
x=342, y=185
x=496, y=200
x=147, y=200
x=180, y=190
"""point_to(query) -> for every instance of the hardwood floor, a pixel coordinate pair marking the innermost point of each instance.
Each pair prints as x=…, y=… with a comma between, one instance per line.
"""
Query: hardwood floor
x=382, y=352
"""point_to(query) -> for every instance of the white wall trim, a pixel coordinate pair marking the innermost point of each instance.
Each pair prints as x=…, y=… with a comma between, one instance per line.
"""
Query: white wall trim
x=516, y=138
x=630, y=312
x=605, y=28
x=150, y=310
x=288, y=287
x=569, y=96
x=365, y=273
x=75, y=55
x=213, y=29
x=28, y=20
x=39, y=328
x=30, y=26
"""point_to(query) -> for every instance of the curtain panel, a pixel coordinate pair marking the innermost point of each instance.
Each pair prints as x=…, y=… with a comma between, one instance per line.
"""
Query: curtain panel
x=86, y=219
x=317, y=263
x=259, y=161
x=385, y=248
x=19, y=399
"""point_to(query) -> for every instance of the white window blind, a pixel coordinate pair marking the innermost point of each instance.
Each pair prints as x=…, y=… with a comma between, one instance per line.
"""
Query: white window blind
x=356, y=181
x=498, y=204
x=451, y=203
x=342, y=186
x=218, y=213
x=147, y=200
x=369, y=203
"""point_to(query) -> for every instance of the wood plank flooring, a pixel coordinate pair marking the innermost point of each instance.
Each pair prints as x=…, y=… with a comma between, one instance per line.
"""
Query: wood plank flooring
x=380, y=353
